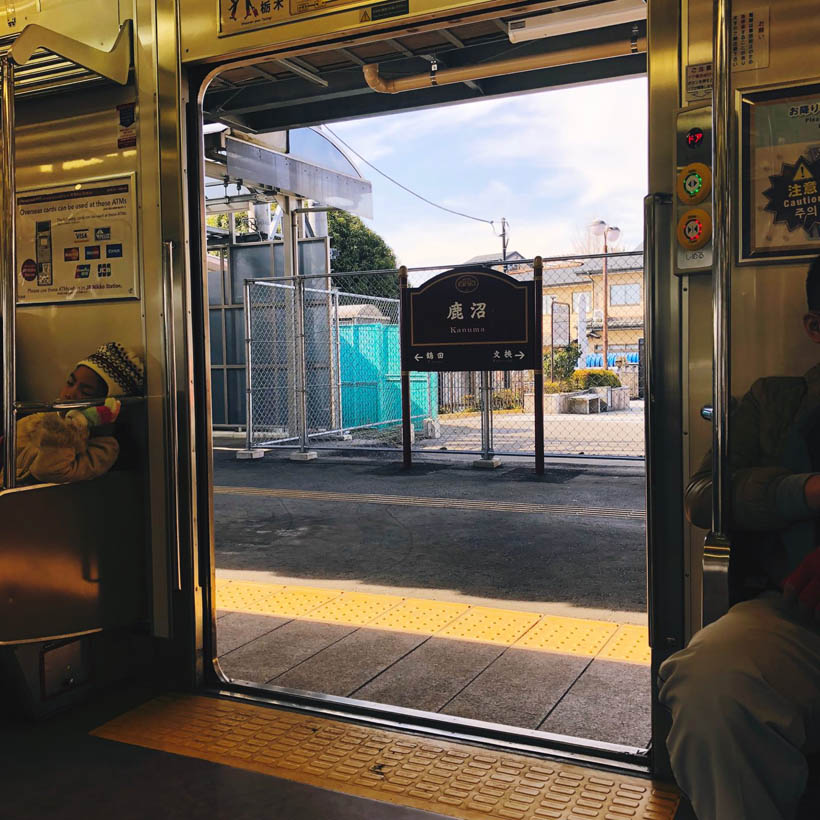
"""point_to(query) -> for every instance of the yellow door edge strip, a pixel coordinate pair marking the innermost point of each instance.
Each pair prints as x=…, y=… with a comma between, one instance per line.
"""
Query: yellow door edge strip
x=518, y=629
x=449, y=778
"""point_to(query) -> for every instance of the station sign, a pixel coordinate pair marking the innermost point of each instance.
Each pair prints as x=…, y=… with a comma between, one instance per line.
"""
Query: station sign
x=470, y=319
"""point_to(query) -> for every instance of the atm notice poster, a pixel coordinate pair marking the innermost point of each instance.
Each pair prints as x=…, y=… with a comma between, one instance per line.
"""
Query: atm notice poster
x=77, y=243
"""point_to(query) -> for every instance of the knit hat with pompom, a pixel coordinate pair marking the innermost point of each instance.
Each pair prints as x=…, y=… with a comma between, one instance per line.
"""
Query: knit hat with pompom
x=121, y=369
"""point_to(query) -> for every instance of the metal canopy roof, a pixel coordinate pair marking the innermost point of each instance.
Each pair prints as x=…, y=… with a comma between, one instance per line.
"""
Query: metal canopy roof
x=323, y=86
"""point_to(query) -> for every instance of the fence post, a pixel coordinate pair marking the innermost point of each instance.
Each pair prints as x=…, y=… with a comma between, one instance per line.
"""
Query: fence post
x=407, y=453
x=250, y=451
x=338, y=335
x=246, y=298
x=299, y=326
x=538, y=373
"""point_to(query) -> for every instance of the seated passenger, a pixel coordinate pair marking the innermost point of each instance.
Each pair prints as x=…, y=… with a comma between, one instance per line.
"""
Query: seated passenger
x=79, y=444
x=745, y=694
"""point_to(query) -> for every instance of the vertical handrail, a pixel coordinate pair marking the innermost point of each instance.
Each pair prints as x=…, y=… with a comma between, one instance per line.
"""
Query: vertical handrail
x=717, y=546
x=246, y=303
x=650, y=243
x=8, y=275
x=172, y=410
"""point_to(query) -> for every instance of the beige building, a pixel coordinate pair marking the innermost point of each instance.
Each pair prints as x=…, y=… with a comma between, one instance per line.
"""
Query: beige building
x=570, y=285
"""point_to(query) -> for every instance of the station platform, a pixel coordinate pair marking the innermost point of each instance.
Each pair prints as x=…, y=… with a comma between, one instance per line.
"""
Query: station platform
x=572, y=676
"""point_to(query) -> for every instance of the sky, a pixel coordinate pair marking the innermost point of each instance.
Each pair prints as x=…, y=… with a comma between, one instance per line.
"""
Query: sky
x=550, y=162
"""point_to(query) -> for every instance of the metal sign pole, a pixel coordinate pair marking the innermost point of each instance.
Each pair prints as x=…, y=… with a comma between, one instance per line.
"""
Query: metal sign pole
x=538, y=372
x=486, y=447
x=405, y=379
x=8, y=275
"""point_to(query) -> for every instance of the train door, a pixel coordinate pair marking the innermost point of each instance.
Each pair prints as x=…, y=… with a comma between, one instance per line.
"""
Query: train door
x=303, y=66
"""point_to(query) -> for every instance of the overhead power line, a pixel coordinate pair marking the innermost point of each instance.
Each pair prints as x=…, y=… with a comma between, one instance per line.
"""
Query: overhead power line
x=405, y=188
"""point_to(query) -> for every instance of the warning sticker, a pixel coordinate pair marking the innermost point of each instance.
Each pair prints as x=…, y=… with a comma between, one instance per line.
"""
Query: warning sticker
x=793, y=197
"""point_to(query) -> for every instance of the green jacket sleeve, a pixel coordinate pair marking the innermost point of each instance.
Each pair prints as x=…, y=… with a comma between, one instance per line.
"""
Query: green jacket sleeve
x=764, y=496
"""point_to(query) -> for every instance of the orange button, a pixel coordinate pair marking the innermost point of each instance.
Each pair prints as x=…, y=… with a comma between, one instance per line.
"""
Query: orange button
x=694, y=183
x=694, y=229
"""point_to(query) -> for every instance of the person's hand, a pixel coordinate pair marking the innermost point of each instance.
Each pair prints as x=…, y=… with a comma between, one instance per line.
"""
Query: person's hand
x=802, y=587
x=95, y=417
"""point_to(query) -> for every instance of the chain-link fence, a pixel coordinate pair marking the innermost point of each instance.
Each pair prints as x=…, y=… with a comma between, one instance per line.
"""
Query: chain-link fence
x=324, y=368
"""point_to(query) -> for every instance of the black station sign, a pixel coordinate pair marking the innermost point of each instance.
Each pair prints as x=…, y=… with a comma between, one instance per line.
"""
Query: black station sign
x=469, y=319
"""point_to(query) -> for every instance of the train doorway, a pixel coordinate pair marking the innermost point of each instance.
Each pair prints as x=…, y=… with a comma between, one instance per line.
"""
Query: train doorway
x=446, y=595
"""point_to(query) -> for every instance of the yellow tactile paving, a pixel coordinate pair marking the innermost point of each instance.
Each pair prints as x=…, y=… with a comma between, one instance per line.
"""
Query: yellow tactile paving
x=444, y=619
x=271, y=599
x=570, y=636
x=630, y=644
x=355, y=608
x=448, y=778
x=419, y=616
x=489, y=625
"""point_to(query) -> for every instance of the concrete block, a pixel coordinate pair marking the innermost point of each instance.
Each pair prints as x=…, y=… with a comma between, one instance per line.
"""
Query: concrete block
x=487, y=463
x=584, y=405
x=432, y=428
x=308, y=455
x=248, y=454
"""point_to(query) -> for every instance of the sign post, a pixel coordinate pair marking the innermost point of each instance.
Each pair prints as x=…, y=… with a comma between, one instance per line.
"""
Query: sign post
x=471, y=319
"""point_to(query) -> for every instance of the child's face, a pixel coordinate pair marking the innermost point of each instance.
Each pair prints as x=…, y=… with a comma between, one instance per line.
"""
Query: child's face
x=82, y=384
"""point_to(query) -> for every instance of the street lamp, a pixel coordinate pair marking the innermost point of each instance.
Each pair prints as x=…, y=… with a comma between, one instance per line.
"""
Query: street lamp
x=610, y=234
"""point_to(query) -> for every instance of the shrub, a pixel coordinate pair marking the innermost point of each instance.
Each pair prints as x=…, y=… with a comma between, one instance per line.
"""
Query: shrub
x=469, y=403
x=584, y=379
x=506, y=399
x=566, y=358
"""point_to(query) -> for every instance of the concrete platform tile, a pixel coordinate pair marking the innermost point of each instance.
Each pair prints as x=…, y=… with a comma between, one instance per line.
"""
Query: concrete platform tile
x=351, y=662
x=518, y=689
x=431, y=675
x=610, y=702
x=235, y=629
x=270, y=655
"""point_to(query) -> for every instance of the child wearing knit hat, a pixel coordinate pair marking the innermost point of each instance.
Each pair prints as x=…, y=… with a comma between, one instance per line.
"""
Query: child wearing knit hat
x=79, y=444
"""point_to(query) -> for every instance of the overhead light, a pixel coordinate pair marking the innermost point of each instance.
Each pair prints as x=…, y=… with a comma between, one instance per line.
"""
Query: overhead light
x=597, y=15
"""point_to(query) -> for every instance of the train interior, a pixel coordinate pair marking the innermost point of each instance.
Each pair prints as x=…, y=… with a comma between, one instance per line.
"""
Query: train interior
x=181, y=635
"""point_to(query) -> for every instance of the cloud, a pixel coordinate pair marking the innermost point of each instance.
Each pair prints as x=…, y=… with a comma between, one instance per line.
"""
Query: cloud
x=550, y=162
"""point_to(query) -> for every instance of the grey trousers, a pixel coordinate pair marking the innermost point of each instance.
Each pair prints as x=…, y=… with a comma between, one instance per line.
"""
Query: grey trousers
x=745, y=703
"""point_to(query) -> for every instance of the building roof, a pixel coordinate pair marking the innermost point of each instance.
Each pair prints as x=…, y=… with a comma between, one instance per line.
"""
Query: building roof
x=494, y=258
x=618, y=322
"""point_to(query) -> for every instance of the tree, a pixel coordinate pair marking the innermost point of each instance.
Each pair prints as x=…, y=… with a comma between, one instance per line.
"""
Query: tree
x=355, y=247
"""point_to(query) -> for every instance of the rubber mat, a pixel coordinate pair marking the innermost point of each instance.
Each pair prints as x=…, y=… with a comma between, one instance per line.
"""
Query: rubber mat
x=507, y=627
x=449, y=778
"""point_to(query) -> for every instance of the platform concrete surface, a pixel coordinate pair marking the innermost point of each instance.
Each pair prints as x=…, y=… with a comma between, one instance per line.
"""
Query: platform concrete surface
x=569, y=543
x=553, y=692
x=465, y=545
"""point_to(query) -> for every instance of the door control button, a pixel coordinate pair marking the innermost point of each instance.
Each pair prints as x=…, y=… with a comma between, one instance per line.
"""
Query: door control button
x=694, y=229
x=694, y=183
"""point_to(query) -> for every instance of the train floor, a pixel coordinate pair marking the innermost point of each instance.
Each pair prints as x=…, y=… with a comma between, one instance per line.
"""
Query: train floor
x=136, y=754
x=493, y=596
